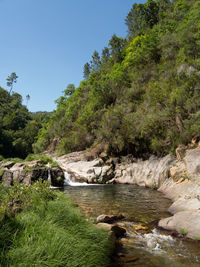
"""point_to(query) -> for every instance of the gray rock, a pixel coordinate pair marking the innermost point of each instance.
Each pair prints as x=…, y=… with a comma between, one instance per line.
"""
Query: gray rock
x=7, y=177
x=109, y=218
x=150, y=173
x=192, y=162
x=118, y=231
x=183, y=204
x=7, y=164
x=186, y=69
x=185, y=222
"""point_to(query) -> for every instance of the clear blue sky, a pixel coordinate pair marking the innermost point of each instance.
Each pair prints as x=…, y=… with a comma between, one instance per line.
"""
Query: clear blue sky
x=47, y=42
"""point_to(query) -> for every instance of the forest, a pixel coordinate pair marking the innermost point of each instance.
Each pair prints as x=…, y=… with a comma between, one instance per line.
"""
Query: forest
x=139, y=96
x=18, y=126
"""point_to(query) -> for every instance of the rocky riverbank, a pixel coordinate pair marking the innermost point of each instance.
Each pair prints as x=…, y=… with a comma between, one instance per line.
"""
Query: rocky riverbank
x=176, y=177
x=29, y=172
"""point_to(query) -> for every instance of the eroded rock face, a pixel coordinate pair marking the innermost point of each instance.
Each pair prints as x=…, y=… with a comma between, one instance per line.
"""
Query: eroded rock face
x=86, y=171
x=29, y=172
x=192, y=163
x=185, y=209
x=150, y=173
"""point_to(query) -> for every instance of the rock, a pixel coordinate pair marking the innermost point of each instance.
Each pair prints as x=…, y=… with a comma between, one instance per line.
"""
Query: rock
x=150, y=173
x=82, y=171
x=7, y=177
x=106, y=174
x=185, y=222
x=112, y=181
x=103, y=155
x=109, y=218
x=140, y=227
x=180, y=152
x=192, y=162
x=119, y=231
x=186, y=69
x=6, y=165
x=183, y=204
x=105, y=226
x=57, y=177
x=98, y=171
x=178, y=171
x=29, y=172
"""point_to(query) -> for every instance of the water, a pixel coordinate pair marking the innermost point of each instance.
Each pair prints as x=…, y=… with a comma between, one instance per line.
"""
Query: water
x=140, y=206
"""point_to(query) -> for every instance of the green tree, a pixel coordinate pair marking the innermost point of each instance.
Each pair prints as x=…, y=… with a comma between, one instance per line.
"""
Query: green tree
x=95, y=62
x=86, y=71
x=69, y=90
x=12, y=78
x=105, y=55
x=141, y=17
x=116, y=46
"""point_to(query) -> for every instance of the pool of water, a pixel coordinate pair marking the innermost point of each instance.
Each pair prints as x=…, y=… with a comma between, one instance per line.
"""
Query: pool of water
x=140, y=206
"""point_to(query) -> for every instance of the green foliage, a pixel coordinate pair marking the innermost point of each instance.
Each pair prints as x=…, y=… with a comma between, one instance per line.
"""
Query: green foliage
x=12, y=78
x=144, y=96
x=143, y=16
x=18, y=128
x=48, y=231
x=183, y=231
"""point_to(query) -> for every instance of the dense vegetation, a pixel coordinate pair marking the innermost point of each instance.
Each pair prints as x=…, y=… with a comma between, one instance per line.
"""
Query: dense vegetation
x=18, y=127
x=48, y=230
x=142, y=95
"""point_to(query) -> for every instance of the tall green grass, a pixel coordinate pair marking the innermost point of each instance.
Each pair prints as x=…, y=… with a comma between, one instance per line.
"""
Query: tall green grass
x=52, y=233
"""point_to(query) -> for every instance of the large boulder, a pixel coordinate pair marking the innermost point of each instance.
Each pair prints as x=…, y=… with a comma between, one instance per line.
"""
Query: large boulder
x=192, y=162
x=103, y=218
x=86, y=171
x=185, y=222
x=151, y=173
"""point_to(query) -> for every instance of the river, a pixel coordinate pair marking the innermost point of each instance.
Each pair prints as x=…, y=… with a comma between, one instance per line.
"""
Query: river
x=144, y=245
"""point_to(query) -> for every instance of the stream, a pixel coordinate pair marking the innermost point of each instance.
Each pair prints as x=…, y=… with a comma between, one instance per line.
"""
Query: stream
x=144, y=245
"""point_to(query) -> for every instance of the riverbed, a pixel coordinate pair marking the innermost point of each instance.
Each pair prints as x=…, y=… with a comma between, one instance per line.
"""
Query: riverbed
x=146, y=246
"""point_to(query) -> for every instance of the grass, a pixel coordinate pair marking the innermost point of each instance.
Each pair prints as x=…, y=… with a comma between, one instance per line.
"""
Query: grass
x=50, y=231
x=32, y=157
x=183, y=231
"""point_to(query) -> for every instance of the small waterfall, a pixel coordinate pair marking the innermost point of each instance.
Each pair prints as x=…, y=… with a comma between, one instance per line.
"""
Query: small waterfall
x=68, y=181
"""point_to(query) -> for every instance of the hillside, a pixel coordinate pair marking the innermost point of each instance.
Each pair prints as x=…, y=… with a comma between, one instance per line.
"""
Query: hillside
x=142, y=95
x=18, y=127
